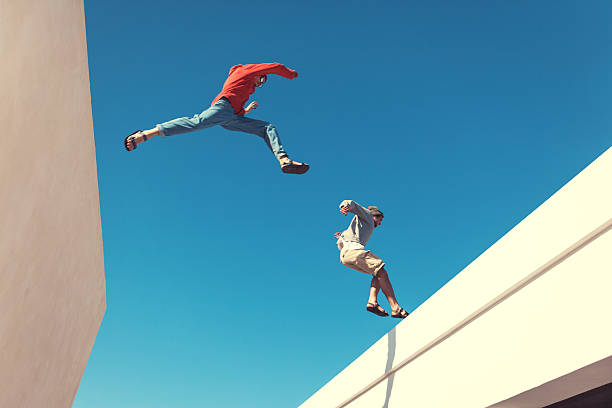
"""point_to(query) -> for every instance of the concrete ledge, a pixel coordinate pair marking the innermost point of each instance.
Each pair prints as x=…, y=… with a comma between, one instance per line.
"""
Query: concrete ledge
x=458, y=329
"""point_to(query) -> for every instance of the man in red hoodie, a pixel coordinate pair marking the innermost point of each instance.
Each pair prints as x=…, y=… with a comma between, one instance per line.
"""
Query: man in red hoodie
x=227, y=110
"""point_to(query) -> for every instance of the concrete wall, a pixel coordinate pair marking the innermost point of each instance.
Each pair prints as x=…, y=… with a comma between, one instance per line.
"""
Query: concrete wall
x=52, y=288
x=531, y=313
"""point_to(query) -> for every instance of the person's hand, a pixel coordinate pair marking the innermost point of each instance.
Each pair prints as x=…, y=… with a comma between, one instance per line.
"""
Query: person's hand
x=295, y=74
x=252, y=105
x=337, y=234
x=344, y=210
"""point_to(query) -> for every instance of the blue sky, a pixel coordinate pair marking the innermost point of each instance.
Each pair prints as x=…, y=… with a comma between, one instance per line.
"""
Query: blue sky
x=224, y=286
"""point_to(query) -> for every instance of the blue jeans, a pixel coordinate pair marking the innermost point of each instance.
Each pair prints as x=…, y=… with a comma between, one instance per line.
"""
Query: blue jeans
x=222, y=113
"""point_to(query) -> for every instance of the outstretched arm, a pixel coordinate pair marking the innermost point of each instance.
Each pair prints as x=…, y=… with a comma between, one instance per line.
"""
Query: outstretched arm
x=348, y=206
x=269, y=68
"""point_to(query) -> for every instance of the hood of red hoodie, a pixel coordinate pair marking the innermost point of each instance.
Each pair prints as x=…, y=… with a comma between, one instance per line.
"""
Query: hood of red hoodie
x=234, y=68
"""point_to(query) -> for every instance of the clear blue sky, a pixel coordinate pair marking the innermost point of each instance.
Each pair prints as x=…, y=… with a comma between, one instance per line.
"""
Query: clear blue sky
x=224, y=287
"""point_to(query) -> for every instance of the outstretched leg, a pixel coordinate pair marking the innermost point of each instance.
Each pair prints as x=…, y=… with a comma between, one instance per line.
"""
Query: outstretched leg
x=217, y=114
x=268, y=133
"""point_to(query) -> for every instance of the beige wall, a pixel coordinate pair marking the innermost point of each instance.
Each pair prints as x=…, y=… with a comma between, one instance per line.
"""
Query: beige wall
x=531, y=313
x=52, y=288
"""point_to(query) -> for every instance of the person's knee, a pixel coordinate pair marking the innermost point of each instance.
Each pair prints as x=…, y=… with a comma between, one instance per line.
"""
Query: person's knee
x=262, y=130
x=270, y=128
x=381, y=273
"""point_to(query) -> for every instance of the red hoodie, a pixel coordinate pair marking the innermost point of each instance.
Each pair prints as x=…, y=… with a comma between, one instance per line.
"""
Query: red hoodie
x=240, y=84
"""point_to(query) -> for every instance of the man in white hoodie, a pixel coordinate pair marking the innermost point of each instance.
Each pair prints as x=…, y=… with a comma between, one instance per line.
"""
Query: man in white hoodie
x=353, y=254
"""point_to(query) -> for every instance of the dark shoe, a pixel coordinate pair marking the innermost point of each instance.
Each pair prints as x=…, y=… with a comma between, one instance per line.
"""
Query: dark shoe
x=292, y=167
x=400, y=314
x=377, y=310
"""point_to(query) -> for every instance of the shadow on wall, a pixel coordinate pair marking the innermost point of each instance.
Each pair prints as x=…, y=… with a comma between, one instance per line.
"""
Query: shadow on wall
x=389, y=365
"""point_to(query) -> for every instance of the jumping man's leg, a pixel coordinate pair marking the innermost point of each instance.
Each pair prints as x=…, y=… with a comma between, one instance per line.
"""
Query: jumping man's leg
x=265, y=130
x=217, y=114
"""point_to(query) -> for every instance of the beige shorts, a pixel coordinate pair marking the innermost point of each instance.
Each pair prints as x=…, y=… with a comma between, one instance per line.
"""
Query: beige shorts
x=362, y=260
